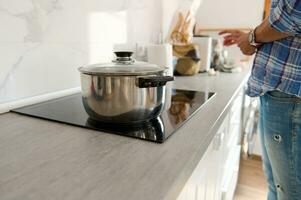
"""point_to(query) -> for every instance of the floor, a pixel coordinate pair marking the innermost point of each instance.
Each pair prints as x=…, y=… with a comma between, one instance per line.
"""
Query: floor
x=251, y=182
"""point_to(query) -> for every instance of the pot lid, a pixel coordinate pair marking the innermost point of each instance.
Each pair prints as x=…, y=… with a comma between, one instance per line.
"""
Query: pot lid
x=124, y=65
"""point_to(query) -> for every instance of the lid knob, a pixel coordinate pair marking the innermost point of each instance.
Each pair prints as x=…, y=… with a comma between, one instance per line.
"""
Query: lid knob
x=123, y=54
x=124, y=57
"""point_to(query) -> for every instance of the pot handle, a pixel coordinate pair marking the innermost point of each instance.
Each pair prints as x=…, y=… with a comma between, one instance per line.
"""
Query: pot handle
x=153, y=81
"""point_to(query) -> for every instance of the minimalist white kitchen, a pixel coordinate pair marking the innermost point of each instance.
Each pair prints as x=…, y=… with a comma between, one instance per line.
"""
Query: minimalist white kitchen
x=128, y=100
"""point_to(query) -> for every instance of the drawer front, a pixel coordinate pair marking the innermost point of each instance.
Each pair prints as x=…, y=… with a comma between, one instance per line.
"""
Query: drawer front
x=231, y=169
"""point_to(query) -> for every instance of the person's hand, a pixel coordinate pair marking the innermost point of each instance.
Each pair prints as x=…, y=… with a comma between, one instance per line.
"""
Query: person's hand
x=244, y=45
x=240, y=38
x=230, y=36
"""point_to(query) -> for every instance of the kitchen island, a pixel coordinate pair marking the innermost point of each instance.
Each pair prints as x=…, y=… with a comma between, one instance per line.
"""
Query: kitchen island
x=40, y=159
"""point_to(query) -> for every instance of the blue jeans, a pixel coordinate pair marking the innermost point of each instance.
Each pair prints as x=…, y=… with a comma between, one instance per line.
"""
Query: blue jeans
x=280, y=132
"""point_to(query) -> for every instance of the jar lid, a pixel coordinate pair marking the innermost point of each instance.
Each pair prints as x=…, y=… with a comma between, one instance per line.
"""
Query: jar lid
x=124, y=65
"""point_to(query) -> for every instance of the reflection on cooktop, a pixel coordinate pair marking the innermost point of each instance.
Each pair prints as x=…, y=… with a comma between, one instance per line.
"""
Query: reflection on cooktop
x=180, y=105
x=181, y=102
x=151, y=130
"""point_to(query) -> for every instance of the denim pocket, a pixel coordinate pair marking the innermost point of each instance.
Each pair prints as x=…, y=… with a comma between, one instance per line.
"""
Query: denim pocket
x=282, y=97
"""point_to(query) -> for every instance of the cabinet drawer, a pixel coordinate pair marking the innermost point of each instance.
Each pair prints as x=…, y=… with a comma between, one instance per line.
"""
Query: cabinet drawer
x=231, y=168
x=234, y=135
x=229, y=193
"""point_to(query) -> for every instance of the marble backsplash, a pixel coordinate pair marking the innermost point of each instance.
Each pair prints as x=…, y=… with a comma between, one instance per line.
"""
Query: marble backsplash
x=43, y=42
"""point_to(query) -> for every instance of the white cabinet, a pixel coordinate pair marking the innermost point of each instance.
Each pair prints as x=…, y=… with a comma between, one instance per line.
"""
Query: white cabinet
x=201, y=184
x=196, y=187
x=231, y=175
x=205, y=181
x=232, y=149
x=215, y=176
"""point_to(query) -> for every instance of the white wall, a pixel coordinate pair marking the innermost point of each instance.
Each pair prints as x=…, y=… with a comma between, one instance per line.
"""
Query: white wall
x=43, y=42
x=230, y=13
x=168, y=8
x=220, y=14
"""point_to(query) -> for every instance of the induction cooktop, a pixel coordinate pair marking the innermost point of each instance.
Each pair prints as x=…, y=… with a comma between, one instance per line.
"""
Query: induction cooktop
x=180, y=106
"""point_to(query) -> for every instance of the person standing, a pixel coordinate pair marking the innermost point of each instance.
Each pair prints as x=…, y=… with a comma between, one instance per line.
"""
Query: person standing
x=276, y=79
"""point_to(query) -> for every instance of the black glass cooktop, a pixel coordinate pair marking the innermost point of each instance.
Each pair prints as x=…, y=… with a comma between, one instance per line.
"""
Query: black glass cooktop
x=179, y=107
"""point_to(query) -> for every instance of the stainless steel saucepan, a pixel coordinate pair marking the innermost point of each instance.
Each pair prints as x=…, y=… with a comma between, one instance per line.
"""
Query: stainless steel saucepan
x=123, y=91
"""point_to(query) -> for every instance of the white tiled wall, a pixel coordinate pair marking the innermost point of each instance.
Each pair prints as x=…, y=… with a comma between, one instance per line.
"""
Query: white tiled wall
x=43, y=42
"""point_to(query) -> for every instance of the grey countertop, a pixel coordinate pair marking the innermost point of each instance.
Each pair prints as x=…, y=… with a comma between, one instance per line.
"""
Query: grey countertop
x=40, y=159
